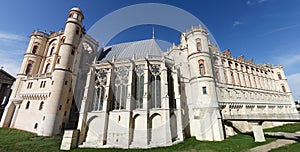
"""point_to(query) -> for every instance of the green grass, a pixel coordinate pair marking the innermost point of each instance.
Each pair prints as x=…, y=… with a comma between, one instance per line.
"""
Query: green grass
x=293, y=147
x=294, y=127
x=16, y=140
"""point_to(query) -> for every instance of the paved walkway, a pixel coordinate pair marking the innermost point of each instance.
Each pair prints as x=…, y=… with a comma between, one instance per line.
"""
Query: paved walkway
x=278, y=143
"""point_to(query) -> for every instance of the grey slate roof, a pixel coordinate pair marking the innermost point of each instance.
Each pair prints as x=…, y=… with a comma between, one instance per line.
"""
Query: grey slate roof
x=138, y=49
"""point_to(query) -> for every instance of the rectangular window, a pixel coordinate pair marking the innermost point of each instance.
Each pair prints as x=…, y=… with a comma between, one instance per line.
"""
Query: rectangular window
x=29, y=85
x=44, y=84
x=204, y=91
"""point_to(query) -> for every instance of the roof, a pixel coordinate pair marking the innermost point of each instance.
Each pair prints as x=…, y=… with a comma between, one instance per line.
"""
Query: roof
x=6, y=77
x=138, y=49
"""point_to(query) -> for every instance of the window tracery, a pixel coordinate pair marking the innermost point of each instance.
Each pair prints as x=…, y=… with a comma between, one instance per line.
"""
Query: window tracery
x=139, y=86
x=120, y=88
x=155, y=86
x=100, y=83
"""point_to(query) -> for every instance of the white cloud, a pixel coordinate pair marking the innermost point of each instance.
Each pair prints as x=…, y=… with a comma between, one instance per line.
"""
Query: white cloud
x=12, y=49
x=11, y=37
x=11, y=60
x=236, y=23
x=261, y=1
x=294, y=83
x=282, y=29
x=253, y=2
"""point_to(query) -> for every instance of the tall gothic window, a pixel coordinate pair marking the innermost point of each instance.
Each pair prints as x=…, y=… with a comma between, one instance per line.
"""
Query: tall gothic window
x=155, y=86
x=120, y=89
x=100, y=83
x=198, y=43
x=28, y=68
x=139, y=86
x=201, y=67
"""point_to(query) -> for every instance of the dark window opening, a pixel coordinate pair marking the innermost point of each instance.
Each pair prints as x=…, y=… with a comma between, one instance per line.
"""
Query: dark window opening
x=27, y=105
x=28, y=69
x=41, y=105
x=204, y=91
x=34, y=49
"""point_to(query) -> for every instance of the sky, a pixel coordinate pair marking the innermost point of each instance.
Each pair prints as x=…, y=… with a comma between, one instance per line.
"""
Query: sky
x=264, y=30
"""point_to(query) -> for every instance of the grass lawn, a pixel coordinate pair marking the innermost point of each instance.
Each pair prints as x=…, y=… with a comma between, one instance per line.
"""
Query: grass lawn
x=16, y=140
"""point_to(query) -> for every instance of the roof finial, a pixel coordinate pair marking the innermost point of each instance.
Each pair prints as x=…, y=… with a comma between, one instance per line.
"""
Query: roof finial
x=153, y=33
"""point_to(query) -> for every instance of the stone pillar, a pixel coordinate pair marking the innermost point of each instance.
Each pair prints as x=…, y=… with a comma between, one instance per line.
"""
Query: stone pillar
x=165, y=105
x=129, y=85
x=258, y=132
x=87, y=99
x=70, y=140
x=178, y=108
x=15, y=104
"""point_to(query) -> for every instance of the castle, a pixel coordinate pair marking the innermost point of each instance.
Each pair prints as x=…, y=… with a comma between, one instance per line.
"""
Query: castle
x=135, y=95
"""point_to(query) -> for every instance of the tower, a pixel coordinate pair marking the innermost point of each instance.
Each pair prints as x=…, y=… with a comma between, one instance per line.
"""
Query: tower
x=58, y=103
x=204, y=116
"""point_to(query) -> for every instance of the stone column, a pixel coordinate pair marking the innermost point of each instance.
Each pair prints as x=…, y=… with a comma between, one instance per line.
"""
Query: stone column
x=85, y=104
x=178, y=107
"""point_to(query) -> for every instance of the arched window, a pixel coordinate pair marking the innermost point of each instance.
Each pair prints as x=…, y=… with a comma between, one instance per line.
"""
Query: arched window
x=232, y=77
x=198, y=43
x=47, y=68
x=27, y=105
x=34, y=49
x=202, y=70
x=201, y=67
x=120, y=89
x=139, y=86
x=279, y=76
x=41, y=105
x=35, y=125
x=52, y=50
x=28, y=68
x=155, y=87
x=283, y=88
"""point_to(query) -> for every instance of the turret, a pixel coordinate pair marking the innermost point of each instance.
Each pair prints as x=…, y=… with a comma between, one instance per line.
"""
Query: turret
x=205, y=114
x=34, y=53
x=58, y=105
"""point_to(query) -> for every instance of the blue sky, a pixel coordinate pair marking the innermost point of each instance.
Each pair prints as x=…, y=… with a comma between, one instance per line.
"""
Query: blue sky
x=264, y=30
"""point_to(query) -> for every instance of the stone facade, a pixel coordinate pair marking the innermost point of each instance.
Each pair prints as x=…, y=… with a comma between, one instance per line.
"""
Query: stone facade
x=134, y=95
x=42, y=97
